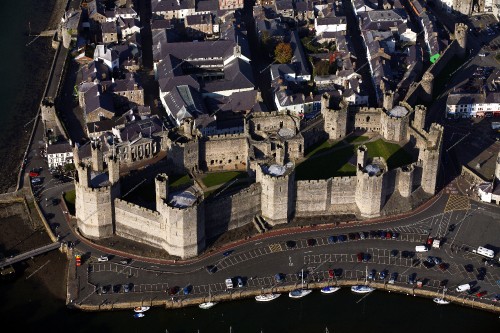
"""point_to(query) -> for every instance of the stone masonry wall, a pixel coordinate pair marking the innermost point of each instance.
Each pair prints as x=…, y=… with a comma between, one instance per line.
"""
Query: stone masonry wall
x=227, y=152
x=138, y=224
x=231, y=212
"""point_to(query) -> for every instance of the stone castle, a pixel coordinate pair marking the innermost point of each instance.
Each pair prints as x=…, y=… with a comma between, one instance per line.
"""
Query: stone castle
x=268, y=150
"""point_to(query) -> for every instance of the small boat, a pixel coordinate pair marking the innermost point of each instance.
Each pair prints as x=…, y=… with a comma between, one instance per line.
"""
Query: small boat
x=329, y=289
x=441, y=301
x=298, y=293
x=139, y=315
x=266, y=297
x=140, y=309
x=206, y=305
x=363, y=288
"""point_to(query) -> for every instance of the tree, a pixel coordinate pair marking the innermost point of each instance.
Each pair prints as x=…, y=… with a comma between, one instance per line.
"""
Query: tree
x=283, y=53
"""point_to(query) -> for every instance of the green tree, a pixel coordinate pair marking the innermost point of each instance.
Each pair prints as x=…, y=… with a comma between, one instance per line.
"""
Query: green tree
x=283, y=53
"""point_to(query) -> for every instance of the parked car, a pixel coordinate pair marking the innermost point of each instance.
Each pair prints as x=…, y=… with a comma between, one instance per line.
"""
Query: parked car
x=437, y=260
x=442, y=266
x=125, y=261
x=366, y=257
x=395, y=235
x=279, y=277
x=78, y=260
x=117, y=288
x=388, y=235
x=372, y=274
x=187, y=290
x=290, y=244
x=173, y=290
x=430, y=259
x=351, y=236
x=102, y=258
x=36, y=181
x=382, y=275
x=469, y=268
x=411, y=278
x=126, y=287
x=451, y=227
x=394, y=277
x=404, y=254
x=227, y=253
x=211, y=269
x=496, y=298
x=311, y=242
x=361, y=235
x=55, y=202
x=240, y=282
x=428, y=264
x=34, y=174
x=331, y=274
x=342, y=238
x=373, y=234
x=430, y=240
x=481, y=293
x=394, y=253
x=332, y=239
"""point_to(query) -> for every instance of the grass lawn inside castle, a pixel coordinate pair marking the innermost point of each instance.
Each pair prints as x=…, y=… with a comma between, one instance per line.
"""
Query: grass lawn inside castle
x=338, y=158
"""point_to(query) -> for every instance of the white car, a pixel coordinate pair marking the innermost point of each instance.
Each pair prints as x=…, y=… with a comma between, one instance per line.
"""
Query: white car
x=102, y=258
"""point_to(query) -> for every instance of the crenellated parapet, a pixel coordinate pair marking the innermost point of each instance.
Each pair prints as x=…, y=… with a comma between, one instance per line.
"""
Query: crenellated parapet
x=404, y=180
x=335, y=121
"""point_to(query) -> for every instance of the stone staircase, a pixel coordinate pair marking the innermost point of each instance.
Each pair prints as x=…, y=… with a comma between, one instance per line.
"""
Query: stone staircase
x=260, y=224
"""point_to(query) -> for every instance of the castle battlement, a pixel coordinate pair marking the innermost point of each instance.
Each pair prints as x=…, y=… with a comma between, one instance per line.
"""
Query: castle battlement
x=370, y=109
x=272, y=114
x=122, y=204
x=102, y=189
x=227, y=136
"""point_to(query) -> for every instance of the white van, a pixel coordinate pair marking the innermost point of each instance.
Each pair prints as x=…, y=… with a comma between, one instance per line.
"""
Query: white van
x=421, y=248
x=229, y=283
x=463, y=287
x=484, y=252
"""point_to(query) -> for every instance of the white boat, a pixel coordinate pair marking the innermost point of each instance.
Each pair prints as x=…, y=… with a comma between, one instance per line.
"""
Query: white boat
x=139, y=315
x=329, y=289
x=266, y=297
x=363, y=288
x=298, y=293
x=207, y=305
x=141, y=309
x=441, y=300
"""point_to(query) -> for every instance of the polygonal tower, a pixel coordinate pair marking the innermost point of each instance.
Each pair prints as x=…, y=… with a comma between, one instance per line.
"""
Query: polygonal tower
x=182, y=219
x=461, y=37
x=405, y=180
x=388, y=100
x=94, y=202
x=335, y=120
x=278, y=192
x=427, y=86
x=430, y=158
x=419, y=117
x=370, y=187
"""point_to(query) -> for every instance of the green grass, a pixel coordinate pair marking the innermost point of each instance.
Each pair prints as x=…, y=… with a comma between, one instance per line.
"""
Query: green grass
x=336, y=162
x=176, y=181
x=218, y=178
x=356, y=139
x=69, y=199
x=323, y=146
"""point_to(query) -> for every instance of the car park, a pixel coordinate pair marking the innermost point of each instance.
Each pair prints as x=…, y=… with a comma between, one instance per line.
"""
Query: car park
x=102, y=259
x=311, y=242
x=290, y=244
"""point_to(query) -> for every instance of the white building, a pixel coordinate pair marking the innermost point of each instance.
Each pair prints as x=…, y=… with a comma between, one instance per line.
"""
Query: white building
x=473, y=105
x=330, y=24
x=108, y=57
x=59, y=154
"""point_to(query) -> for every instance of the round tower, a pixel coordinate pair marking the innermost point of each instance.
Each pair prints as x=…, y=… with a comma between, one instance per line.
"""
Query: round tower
x=278, y=193
x=461, y=37
x=427, y=86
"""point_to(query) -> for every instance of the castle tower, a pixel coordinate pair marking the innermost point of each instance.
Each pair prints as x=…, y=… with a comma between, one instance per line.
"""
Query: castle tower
x=430, y=157
x=461, y=37
x=97, y=158
x=161, y=189
x=113, y=169
x=405, y=180
x=419, y=118
x=394, y=126
x=187, y=126
x=370, y=188
x=388, y=100
x=497, y=168
x=335, y=120
x=427, y=86
x=278, y=194
x=362, y=156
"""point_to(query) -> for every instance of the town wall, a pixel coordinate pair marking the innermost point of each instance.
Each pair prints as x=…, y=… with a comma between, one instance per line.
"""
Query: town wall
x=230, y=212
x=138, y=224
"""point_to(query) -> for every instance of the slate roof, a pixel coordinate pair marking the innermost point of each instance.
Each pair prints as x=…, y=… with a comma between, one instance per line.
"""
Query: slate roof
x=184, y=101
x=95, y=98
x=198, y=19
x=160, y=25
x=59, y=148
x=207, y=5
x=458, y=99
x=237, y=75
x=108, y=27
x=299, y=56
x=171, y=5
x=144, y=128
x=95, y=70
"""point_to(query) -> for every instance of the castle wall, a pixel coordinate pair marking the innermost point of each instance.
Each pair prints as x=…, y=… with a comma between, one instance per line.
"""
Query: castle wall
x=224, y=152
x=272, y=121
x=138, y=224
x=314, y=132
x=183, y=157
x=227, y=213
x=367, y=119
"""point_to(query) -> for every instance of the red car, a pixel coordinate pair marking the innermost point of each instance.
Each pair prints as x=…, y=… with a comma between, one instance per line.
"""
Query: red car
x=360, y=256
x=78, y=259
x=34, y=174
x=430, y=240
x=388, y=235
x=481, y=293
x=331, y=274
